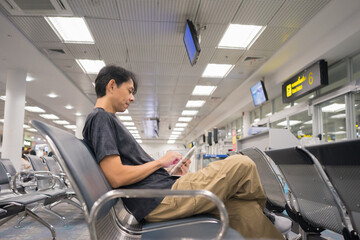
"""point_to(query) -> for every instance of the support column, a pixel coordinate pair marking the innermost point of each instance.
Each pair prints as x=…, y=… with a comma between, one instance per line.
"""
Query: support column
x=80, y=122
x=246, y=123
x=14, y=116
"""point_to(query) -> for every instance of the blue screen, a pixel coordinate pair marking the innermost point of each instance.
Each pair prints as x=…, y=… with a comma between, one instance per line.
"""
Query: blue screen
x=258, y=94
x=189, y=44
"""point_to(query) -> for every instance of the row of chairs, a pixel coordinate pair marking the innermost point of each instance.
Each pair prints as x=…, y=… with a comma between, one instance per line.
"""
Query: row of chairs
x=323, y=182
x=27, y=192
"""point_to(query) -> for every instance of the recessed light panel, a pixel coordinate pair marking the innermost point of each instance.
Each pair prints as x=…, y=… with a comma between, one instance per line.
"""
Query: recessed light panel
x=49, y=116
x=217, y=70
x=185, y=119
x=61, y=122
x=71, y=29
x=240, y=36
x=189, y=112
x=195, y=103
x=181, y=124
x=125, y=118
x=34, y=109
x=91, y=66
x=201, y=90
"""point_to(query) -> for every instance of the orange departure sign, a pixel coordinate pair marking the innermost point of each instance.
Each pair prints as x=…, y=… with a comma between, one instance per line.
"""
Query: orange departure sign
x=308, y=80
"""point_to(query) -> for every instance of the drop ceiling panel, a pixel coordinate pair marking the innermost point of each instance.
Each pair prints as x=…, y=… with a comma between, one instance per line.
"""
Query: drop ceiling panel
x=113, y=53
x=68, y=66
x=211, y=36
x=138, y=10
x=257, y=12
x=166, y=80
x=140, y=33
x=171, y=69
x=176, y=11
x=146, y=80
x=209, y=81
x=107, y=31
x=35, y=28
x=141, y=68
x=98, y=9
x=294, y=14
x=84, y=51
x=170, y=54
x=165, y=90
x=184, y=89
x=45, y=46
x=217, y=11
x=273, y=37
x=142, y=53
x=226, y=56
x=169, y=33
x=146, y=90
x=187, y=81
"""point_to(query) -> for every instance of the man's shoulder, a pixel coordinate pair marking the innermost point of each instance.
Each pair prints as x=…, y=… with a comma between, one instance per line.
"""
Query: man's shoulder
x=99, y=113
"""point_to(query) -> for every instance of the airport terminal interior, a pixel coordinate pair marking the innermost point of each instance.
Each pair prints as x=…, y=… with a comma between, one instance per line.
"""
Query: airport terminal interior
x=275, y=80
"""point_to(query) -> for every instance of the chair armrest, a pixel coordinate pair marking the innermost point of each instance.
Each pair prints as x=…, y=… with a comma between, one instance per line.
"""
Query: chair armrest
x=150, y=193
x=36, y=174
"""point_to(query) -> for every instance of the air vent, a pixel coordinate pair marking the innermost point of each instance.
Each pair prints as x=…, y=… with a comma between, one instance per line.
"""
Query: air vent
x=54, y=51
x=252, y=59
x=37, y=7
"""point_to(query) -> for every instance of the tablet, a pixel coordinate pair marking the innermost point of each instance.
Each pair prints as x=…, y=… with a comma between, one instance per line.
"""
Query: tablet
x=187, y=155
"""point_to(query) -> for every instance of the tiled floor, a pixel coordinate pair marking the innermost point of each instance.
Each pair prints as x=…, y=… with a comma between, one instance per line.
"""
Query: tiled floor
x=30, y=229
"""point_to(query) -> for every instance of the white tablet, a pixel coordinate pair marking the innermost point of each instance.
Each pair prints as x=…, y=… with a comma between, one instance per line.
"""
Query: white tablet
x=187, y=155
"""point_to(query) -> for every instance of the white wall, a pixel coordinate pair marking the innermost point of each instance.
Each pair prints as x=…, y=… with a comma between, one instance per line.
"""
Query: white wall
x=157, y=150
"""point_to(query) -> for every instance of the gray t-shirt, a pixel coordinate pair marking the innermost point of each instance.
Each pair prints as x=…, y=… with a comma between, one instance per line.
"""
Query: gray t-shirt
x=106, y=135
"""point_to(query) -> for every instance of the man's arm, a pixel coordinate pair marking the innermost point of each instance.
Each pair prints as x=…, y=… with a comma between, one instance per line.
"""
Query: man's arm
x=119, y=175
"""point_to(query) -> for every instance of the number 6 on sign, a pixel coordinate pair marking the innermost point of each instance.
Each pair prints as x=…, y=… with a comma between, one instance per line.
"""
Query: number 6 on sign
x=311, y=79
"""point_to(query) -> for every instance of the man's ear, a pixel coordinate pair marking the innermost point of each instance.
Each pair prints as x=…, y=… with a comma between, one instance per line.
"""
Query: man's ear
x=110, y=86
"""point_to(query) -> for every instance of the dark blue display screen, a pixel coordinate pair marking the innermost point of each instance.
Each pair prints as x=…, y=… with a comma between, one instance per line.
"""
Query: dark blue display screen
x=189, y=44
x=258, y=93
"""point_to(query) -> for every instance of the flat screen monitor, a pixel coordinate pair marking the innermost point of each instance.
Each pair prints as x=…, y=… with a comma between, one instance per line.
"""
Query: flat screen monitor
x=191, y=42
x=258, y=93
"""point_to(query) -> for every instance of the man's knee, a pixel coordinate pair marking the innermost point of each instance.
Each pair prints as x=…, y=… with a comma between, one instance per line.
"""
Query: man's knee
x=241, y=161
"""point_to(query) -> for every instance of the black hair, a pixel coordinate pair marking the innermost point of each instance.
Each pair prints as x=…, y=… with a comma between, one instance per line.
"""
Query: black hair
x=32, y=152
x=119, y=74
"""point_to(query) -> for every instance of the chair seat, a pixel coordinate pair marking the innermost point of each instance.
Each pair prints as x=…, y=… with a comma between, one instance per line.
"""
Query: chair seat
x=23, y=199
x=210, y=225
x=2, y=212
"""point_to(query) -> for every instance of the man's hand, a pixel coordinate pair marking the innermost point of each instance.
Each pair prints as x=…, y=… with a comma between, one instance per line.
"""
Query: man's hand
x=183, y=169
x=170, y=158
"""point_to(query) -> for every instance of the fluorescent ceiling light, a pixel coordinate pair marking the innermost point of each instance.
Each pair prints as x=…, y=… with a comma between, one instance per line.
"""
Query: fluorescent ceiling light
x=335, y=107
x=337, y=116
x=185, y=119
x=139, y=140
x=69, y=107
x=49, y=116
x=337, y=133
x=240, y=36
x=131, y=128
x=308, y=122
x=173, y=136
x=70, y=126
x=31, y=130
x=61, y=122
x=179, y=129
x=71, y=29
x=26, y=126
x=134, y=131
x=203, y=90
x=189, y=112
x=2, y=120
x=137, y=137
x=171, y=141
x=125, y=118
x=195, y=103
x=176, y=133
x=52, y=95
x=129, y=123
x=3, y=98
x=287, y=106
x=256, y=120
x=29, y=79
x=269, y=114
x=181, y=124
x=217, y=70
x=34, y=109
x=90, y=66
x=78, y=114
x=291, y=123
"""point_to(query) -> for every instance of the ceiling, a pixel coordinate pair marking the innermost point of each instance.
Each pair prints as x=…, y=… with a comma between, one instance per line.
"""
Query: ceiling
x=144, y=36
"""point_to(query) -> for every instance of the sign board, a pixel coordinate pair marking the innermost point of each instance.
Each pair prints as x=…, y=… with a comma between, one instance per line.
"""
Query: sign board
x=306, y=81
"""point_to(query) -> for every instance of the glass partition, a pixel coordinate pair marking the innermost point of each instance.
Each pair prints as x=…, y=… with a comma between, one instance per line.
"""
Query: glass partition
x=301, y=125
x=356, y=67
x=337, y=76
x=334, y=119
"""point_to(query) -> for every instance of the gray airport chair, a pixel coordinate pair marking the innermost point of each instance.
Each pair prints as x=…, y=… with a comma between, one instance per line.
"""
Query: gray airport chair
x=341, y=163
x=41, y=175
x=318, y=205
x=14, y=204
x=100, y=201
x=276, y=199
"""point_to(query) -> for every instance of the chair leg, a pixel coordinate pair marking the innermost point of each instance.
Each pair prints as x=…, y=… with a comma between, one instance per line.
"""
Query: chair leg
x=62, y=218
x=6, y=219
x=75, y=204
x=25, y=215
x=40, y=220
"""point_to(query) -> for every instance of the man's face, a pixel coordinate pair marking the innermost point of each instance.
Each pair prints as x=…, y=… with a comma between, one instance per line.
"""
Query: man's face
x=123, y=95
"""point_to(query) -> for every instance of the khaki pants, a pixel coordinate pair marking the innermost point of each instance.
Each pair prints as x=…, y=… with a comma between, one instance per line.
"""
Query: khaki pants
x=236, y=182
